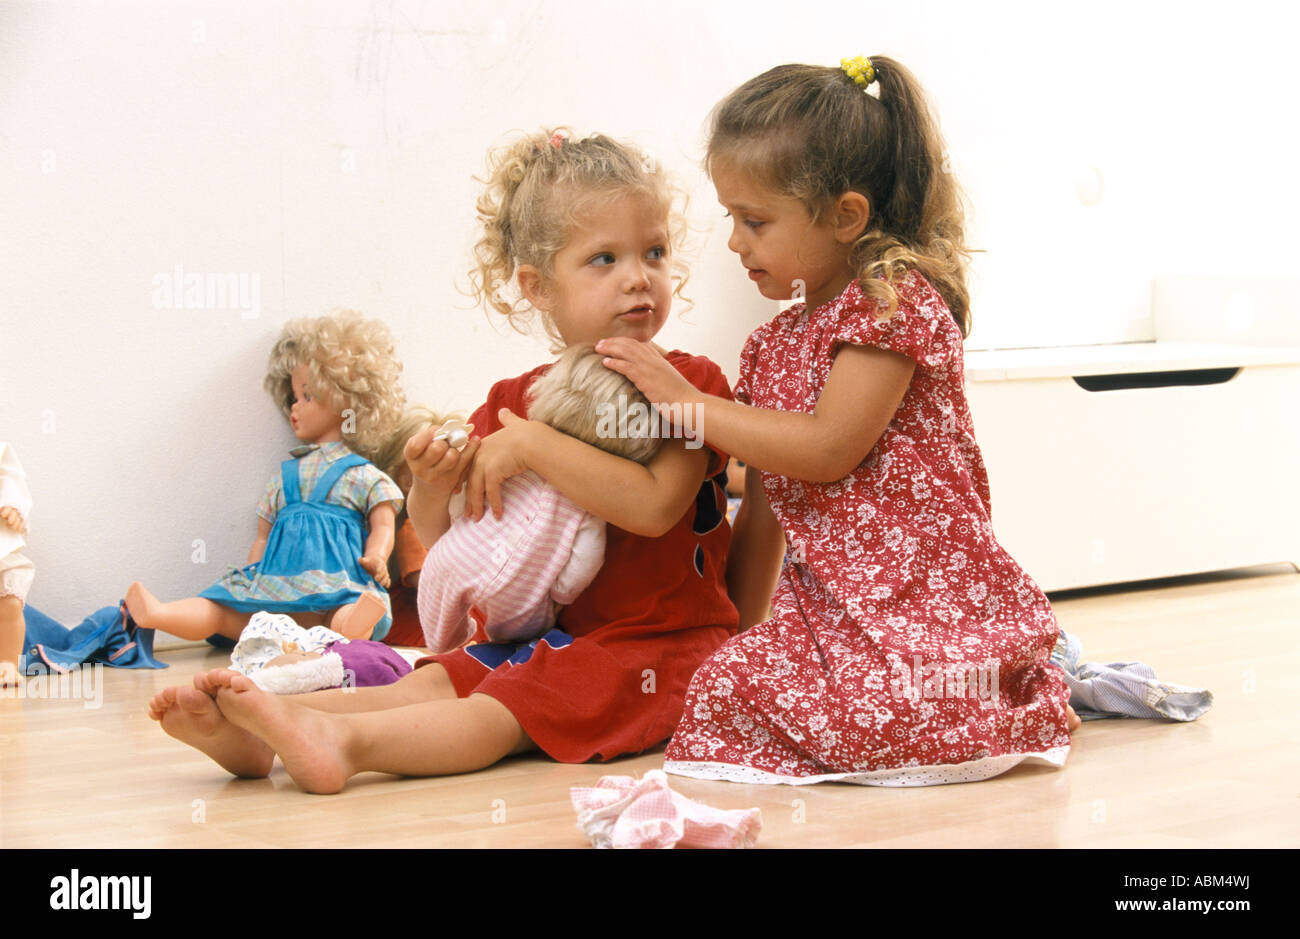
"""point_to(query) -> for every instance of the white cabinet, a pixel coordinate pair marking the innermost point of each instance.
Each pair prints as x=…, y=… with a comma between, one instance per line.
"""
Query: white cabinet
x=1183, y=457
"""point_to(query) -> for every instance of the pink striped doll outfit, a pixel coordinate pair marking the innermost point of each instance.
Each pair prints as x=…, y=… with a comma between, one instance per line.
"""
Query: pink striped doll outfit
x=518, y=569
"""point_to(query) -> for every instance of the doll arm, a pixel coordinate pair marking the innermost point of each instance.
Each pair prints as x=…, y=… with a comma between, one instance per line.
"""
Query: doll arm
x=259, y=545
x=757, y=549
x=379, y=544
x=14, y=493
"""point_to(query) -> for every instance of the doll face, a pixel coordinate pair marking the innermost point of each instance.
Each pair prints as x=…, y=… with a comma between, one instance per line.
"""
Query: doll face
x=312, y=419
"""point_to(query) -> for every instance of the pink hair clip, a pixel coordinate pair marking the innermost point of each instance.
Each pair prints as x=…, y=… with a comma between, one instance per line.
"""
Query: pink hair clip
x=557, y=140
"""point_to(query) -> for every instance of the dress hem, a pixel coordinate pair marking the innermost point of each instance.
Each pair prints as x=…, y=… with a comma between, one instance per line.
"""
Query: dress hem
x=897, y=777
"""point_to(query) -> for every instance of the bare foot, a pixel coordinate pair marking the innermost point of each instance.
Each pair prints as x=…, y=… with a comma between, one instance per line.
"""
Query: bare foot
x=141, y=604
x=311, y=744
x=192, y=717
x=1072, y=720
x=9, y=675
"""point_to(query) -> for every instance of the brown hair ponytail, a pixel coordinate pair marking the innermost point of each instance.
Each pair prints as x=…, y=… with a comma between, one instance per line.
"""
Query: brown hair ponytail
x=812, y=133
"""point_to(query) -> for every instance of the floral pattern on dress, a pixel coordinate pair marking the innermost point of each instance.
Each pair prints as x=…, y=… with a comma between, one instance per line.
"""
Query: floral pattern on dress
x=906, y=647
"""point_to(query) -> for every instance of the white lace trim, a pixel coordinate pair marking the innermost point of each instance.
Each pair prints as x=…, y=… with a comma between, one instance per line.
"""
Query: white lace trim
x=970, y=771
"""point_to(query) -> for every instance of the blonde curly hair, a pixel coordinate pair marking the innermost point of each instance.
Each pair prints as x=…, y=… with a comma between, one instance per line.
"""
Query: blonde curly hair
x=578, y=395
x=352, y=363
x=536, y=188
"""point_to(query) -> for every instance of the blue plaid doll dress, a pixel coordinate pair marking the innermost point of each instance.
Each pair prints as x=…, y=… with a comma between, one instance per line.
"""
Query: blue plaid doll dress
x=311, y=561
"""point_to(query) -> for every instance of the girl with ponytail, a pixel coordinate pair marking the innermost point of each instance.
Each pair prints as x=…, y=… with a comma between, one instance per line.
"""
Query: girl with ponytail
x=903, y=645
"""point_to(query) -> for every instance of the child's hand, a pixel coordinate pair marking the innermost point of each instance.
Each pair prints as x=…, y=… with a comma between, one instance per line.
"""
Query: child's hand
x=646, y=368
x=13, y=518
x=378, y=569
x=499, y=458
x=435, y=463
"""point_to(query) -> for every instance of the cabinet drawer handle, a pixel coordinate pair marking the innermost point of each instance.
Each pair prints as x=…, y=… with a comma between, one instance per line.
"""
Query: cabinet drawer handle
x=1191, y=376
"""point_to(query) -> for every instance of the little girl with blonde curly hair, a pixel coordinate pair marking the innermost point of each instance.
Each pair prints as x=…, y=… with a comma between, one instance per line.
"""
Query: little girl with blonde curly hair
x=585, y=229
x=326, y=521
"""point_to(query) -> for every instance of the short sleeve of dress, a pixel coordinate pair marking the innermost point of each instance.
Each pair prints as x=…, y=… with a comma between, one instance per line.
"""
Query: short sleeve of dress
x=705, y=375
x=272, y=500
x=383, y=490
x=921, y=328
x=748, y=357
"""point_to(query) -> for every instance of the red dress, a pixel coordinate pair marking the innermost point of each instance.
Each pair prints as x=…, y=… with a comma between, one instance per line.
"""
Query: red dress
x=610, y=680
x=905, y=647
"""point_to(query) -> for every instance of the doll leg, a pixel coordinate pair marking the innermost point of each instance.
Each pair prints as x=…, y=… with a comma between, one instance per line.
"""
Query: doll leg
x=192, y=618
x=358, y=620
x=354, y=621
x=12, y=630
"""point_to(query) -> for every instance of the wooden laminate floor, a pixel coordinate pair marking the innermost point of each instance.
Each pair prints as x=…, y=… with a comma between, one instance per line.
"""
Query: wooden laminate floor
x=106, y=776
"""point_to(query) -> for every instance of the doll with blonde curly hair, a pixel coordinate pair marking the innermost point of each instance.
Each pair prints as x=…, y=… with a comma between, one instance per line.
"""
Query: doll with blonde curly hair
x=326, y=521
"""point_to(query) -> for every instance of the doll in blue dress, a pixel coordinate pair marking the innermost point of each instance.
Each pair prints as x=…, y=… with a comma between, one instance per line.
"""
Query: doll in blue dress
x=326, y=521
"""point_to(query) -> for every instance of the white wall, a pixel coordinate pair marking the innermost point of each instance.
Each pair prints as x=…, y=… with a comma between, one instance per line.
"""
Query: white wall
x=325, y=151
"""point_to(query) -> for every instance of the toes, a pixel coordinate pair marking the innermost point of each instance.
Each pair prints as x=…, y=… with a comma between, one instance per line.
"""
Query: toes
x=203, y=682
x=193, y=700
x=162, y=702
x=211, y=682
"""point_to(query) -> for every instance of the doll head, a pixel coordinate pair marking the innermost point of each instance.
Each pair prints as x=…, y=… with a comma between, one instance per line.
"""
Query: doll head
x=351, y=366
x=579, y=396
x=390, y=457
x=545, y=188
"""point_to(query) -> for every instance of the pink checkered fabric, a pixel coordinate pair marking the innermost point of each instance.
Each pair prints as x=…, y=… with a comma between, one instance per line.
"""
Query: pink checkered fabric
x=515, y=569
x=626, y=812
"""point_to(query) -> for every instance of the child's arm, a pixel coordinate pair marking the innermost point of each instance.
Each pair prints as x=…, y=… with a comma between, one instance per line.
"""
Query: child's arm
x=645, y=500
x=757, y=549
x=865, y=388
x=437, y=471
x=379, y=544
x=259, y=545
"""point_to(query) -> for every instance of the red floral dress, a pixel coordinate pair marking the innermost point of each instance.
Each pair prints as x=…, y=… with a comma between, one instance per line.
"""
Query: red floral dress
x=905, y=647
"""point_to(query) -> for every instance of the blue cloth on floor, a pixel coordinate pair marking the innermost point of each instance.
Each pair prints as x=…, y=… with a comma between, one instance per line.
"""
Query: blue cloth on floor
x=106, y=636
x=1124, y=689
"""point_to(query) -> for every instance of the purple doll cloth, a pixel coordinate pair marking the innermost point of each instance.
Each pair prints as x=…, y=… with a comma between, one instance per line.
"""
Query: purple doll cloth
x=369, y=663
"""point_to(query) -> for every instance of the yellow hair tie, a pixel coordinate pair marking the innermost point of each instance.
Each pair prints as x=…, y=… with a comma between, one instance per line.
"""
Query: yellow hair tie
x=859, y=69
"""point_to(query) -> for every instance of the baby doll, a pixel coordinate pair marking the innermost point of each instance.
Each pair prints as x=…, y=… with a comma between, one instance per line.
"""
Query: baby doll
x=283, y=658
x=337, y=380
x=16, y=571
x=544, y=550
